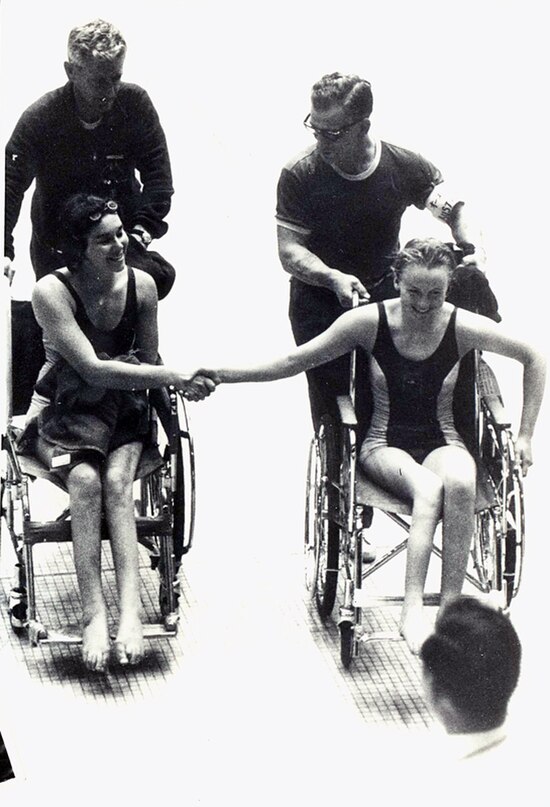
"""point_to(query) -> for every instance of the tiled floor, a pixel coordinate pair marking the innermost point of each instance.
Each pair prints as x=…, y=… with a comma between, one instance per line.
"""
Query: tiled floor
x=383, y=684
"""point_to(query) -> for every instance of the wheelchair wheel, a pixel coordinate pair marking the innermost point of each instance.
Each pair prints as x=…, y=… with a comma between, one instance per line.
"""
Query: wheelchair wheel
x=487, y=551
x=184, y=494
x=346, y=643
x=514, y=531
x=312, y=488
x=327, y=531
x=17, y=609
x=155, y=498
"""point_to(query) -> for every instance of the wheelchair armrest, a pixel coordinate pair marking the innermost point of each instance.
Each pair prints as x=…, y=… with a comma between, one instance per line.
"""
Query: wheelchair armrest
x=496, y=411
x=347, y=410
x=489, y=391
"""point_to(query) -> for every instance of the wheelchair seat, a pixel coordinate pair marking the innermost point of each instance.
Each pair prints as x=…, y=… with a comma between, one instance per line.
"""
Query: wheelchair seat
x=370, y=494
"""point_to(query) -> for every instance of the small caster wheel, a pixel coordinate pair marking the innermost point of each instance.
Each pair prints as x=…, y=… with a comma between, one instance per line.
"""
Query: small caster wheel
x=347, y=642
x=17, y=608
x=171, y=623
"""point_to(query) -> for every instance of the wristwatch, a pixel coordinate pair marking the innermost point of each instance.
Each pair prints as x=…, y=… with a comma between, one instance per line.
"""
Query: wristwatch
x=141, y=233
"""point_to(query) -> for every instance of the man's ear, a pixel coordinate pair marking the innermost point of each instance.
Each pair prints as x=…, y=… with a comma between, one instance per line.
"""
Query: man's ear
x=366, y=124
x=395, y=281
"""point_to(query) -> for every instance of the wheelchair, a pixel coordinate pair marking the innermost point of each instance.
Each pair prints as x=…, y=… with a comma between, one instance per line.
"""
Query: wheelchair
x=341, y=500
x=164, y=491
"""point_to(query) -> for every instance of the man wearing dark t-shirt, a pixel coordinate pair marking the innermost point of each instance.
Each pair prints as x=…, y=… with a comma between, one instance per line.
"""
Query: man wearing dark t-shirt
x=339, y=210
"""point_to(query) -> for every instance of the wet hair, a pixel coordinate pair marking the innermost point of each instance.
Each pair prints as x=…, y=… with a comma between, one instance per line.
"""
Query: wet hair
x=353, y=92
x=97, y=40
x=80, y=214
x=474, y=658
x=428, y=252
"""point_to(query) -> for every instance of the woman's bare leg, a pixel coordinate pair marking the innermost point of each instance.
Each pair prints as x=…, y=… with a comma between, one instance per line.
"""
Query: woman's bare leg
x=84, y=486
x=457, y=469
x=118, y=478
x=398, y=472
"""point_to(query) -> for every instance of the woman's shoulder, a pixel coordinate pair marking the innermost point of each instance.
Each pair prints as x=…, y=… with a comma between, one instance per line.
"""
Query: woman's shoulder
x=146, y=289
x=364, y=315
x=51, y=286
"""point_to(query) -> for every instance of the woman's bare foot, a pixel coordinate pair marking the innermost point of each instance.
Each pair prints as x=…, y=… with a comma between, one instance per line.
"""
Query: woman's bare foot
x=415, y=627
x=129, y=647
x=96, y=643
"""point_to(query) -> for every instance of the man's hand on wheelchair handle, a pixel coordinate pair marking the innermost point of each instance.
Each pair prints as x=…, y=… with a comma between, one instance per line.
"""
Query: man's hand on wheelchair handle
x=344, y=285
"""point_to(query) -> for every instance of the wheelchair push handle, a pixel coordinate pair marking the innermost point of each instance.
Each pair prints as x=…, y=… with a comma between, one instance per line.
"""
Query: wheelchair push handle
x=353, y=356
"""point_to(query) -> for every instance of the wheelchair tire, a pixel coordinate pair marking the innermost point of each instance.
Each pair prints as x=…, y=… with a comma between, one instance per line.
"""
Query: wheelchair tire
x=310, y=545
x=514, y=532
x=346, y=643
x=327, y=531
x=487, y=552
x=184, y=496
x=17, y=609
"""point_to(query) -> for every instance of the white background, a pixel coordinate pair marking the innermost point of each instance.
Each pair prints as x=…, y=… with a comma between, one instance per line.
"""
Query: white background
x=462, y=83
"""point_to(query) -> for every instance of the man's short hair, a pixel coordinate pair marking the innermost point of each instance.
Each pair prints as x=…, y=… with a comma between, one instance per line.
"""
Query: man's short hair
x=96, y=40
x=474, y=658
x=353, y=92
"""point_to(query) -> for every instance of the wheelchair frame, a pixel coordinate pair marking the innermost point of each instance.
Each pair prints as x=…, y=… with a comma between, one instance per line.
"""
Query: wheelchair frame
x=165, y=517
x=340, y=502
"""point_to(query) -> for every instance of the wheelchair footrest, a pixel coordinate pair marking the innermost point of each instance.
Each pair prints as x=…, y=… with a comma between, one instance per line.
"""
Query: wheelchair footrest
x=365, y=599
x=73, y=635
x=380, y=636
x=160, y=630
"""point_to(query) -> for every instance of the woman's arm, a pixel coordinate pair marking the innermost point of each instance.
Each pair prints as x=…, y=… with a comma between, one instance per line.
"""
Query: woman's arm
x=353, y=328
x=53, y=311
x=147, y=341
x=475, y=332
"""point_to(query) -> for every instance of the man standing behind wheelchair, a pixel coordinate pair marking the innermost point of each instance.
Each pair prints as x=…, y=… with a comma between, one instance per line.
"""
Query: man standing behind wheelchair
x=339, y=210
x=88, y=418
x=413, y=447
x=91, y=135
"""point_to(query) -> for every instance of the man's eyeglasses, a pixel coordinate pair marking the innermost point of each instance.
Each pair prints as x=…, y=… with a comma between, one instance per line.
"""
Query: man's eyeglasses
x=108, y=207
x=331, y=134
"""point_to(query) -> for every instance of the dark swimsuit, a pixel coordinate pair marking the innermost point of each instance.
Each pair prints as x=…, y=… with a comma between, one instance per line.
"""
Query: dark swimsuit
x=118, y=340
x=412, y=400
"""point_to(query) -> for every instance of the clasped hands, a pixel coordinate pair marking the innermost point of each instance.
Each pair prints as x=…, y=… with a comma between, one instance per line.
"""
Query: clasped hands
x=200, y=385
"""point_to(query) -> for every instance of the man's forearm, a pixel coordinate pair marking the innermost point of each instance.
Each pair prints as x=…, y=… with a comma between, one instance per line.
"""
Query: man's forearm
x=304, y=265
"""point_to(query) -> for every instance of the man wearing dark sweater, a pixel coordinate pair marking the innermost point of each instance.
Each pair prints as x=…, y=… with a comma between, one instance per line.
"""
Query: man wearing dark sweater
x=95, y=134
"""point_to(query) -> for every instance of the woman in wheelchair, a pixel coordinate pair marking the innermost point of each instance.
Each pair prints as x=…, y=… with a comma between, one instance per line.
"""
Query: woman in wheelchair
x=88, y=416
x=412, y=448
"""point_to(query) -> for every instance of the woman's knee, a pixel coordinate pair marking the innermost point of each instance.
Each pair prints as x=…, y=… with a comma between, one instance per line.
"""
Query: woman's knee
x=117, y=483
x=428, y=492
x=84, y=482
x=460, y=479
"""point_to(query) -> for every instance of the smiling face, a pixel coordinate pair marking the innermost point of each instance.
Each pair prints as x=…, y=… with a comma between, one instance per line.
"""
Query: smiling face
x=106, y=249
x=423, y=291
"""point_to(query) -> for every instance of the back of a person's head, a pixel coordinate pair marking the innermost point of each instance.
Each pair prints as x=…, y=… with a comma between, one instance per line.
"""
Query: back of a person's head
x=353, y=92
x=473, y=660
x=97, y=40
